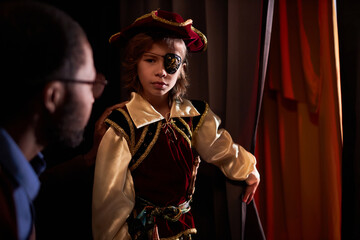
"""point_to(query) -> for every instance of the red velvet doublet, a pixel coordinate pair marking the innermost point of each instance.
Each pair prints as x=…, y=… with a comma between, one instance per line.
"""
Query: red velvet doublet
x=164, y=176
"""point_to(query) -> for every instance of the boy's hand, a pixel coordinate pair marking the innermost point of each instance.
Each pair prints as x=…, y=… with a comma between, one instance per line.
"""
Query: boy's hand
x=250, y=192
x=252, y=183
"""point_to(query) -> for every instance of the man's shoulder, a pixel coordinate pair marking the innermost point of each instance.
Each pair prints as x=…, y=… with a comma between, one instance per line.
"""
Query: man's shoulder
x=8, y=228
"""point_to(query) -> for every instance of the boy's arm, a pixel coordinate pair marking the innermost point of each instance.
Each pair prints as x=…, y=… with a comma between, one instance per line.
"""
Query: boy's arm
x=216, y=146
x=113, y=191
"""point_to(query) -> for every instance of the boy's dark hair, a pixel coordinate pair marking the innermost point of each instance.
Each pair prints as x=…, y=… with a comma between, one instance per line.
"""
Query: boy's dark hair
x=38, y=43
x=134, y=50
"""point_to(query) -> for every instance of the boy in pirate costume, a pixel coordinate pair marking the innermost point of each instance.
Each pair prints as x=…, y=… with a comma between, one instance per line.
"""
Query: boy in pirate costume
x=147, y=160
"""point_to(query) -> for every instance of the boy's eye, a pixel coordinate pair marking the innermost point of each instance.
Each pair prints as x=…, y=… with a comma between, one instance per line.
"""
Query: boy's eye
x=150, y=60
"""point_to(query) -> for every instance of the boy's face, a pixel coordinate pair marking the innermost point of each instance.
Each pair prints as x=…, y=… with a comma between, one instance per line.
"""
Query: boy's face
x=154, y=75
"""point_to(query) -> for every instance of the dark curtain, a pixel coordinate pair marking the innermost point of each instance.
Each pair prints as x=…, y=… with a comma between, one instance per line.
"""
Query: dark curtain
x=349, y=46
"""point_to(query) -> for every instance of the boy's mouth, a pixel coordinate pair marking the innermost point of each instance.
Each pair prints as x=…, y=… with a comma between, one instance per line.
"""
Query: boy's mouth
x=159, y=84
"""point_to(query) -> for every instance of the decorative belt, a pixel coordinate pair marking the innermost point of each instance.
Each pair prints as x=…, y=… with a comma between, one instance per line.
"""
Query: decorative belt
x=143, y=225
x=171, y=213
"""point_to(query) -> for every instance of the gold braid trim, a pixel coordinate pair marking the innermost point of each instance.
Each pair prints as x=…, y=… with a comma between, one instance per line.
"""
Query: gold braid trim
x=202, y=36
x=177, y=236
x=129, y=139
x=118, y=128
x=144, y=16
x=157, y=18
x=115, y=35
x=201, y=120
x=148, y=149
x=181, y=132
x=142, y=138
x=131, y=126
x=186, y=125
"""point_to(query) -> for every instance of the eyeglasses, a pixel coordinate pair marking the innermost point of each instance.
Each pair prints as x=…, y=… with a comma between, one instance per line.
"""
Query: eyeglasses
x=97, y=86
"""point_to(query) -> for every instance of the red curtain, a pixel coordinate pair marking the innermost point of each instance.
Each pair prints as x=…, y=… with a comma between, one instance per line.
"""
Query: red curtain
x=299, y=139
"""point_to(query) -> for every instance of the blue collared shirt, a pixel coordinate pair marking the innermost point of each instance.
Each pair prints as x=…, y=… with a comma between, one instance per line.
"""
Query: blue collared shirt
x=26, y=181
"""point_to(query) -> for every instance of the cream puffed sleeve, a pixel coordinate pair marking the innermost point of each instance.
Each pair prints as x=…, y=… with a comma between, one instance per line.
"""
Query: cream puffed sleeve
x=113, y=191
x=216, y=146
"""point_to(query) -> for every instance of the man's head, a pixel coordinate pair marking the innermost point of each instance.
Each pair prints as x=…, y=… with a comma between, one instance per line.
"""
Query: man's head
x=41, y=46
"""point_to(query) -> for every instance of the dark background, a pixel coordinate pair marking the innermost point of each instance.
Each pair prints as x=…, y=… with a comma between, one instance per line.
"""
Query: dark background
x=349, y=47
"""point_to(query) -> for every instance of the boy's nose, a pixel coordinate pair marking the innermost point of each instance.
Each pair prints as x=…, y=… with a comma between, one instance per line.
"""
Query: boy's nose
x=161, y=72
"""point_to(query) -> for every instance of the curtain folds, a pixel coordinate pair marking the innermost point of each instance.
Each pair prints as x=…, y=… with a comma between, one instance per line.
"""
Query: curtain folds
x=299, y=140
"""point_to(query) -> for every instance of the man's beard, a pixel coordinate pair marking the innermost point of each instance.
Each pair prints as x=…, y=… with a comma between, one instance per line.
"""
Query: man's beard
x=65, y=127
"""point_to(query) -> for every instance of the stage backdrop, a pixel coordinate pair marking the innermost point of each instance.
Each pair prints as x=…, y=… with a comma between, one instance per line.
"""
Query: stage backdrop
x=299, y=142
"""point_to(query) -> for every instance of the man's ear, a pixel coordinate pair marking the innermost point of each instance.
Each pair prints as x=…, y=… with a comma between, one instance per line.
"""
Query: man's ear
x=53, y=94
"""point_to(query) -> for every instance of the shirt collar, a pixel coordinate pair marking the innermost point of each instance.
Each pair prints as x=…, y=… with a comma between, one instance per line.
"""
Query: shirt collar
x=13, y=160
x=143, y=113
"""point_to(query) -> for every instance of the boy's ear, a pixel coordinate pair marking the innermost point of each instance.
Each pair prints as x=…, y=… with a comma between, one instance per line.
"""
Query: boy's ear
x=184, y=65
x=53, y=95
x=183, y=69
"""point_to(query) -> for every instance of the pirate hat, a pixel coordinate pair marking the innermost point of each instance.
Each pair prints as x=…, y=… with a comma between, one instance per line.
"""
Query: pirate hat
x=168, y=22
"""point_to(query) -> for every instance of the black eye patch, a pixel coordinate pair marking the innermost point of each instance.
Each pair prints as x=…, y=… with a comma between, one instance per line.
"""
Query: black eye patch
x=172, y=62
